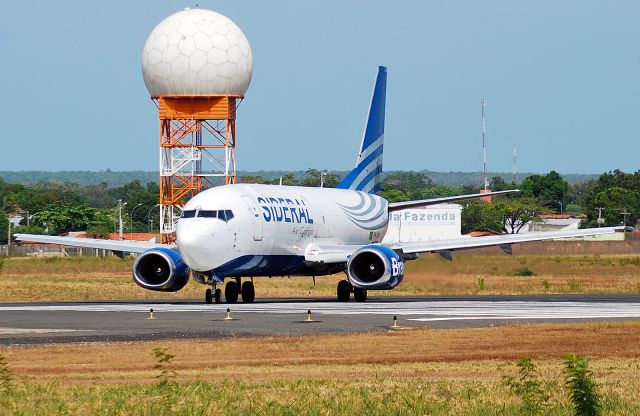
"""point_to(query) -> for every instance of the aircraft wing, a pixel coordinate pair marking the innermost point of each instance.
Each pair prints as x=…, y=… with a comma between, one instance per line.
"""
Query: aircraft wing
x=115, y=245
x=504, y=240
x=395, y=206
x=340, y=254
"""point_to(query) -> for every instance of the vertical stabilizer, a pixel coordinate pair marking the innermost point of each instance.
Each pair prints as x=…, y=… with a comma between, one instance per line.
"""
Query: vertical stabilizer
x=367, y=175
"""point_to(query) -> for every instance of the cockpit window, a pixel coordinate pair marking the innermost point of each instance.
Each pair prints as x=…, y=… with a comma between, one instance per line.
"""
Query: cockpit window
x=224, y=215
x=207, y=214
x=188, y=214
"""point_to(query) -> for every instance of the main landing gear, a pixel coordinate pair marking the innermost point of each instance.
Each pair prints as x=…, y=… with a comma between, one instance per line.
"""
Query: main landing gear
x=344, y=292
x=232, y=290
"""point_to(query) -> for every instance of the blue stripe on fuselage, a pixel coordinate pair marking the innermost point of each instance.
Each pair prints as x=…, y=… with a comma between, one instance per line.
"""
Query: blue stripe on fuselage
x=271, y=265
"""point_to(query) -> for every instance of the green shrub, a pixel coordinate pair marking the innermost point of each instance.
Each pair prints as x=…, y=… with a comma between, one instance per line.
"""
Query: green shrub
x=164, y=364
x=481, y=284
x=5, y=375
x=546, y=285
x=525, y=271
x=582, y=388
x=528, y=386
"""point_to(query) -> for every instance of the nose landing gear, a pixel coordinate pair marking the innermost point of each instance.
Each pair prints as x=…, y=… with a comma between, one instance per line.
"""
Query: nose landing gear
x=212, y=295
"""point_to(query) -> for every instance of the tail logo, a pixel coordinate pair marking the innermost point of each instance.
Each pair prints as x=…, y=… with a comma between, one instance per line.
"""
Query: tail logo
x=369, y=213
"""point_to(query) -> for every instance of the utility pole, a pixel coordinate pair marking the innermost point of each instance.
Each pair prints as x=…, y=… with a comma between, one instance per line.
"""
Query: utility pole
x=483, y=103
x=514, y=175
x=624, y=214
x=9, y=236
x=600, y=220
x=322, y=175
x=131, y=217
x=120, y=206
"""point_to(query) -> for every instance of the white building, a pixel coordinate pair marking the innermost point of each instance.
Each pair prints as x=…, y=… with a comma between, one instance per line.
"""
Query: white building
x=430, y=223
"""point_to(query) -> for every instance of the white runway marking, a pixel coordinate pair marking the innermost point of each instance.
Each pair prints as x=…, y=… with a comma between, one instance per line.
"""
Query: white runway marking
x=432, y=310
x=21, y=331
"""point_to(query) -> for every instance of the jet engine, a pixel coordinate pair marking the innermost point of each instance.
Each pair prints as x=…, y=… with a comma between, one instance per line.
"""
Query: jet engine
x=375, y=267
x=160, y=269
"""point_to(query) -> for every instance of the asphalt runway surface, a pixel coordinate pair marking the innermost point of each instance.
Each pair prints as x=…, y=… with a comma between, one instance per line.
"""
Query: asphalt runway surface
x=63, y=322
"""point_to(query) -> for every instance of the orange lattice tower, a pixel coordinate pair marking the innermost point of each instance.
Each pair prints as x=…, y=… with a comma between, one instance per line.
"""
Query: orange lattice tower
x=197, y=66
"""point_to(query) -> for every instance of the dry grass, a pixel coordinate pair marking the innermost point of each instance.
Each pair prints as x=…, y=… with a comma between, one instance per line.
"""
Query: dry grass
x=438, y=372
x=421, y=352
x=21, y=279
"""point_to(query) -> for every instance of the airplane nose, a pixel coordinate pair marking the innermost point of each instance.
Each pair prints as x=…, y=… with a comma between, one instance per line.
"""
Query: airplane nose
x=195, y=241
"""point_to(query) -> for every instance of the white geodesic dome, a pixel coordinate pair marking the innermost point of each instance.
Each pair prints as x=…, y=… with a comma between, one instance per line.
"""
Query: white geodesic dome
x=197, y=52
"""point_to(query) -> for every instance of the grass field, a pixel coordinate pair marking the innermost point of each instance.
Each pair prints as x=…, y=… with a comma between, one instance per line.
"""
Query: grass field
x=441, y=372
x=89, y=278
x=423, y=371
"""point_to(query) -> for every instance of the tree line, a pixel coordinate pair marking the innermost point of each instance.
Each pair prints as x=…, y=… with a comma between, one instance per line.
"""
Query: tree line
x=60, y=207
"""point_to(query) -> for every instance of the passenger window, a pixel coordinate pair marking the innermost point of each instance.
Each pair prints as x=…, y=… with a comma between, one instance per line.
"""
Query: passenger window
x=188, y=214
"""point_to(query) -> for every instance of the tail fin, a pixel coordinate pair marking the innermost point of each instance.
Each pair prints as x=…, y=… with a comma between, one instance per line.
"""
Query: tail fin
x=367, y=175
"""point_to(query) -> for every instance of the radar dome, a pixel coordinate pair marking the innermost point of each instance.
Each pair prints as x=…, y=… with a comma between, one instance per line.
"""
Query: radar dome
x=197, y=52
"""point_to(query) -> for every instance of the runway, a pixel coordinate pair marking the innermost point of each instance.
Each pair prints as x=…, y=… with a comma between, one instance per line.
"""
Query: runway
x=128, y=321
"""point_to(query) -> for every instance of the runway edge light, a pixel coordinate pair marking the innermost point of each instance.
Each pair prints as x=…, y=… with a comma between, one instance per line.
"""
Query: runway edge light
x=197, y=65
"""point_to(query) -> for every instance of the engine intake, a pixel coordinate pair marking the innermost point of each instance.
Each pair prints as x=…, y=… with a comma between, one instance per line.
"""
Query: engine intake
x=375, y=267
x=160, y=269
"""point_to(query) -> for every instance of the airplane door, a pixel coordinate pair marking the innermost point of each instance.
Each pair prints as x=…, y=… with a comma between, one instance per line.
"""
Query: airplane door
x=255, y=213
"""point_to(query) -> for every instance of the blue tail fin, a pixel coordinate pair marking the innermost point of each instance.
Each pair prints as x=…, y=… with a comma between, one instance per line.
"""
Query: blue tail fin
x=367, y=175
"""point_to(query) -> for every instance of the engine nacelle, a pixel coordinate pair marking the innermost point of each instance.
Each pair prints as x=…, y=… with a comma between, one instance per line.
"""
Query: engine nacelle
x=160, y=269
x=375, y=267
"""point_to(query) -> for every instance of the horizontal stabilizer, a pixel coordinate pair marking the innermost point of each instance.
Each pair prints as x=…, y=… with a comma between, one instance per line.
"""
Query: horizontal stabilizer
x=396, y=206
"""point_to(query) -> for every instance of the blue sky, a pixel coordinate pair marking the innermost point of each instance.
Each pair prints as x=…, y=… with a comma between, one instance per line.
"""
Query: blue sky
x=562, y=81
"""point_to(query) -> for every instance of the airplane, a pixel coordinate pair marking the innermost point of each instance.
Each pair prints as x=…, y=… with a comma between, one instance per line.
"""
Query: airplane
x=242, y=230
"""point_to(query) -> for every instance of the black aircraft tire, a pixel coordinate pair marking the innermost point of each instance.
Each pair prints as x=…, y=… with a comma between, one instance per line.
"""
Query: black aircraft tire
x=207, y=296
x=360, y=295
x=231, y=292
x=217, y=296
x=248, y=292
x=344, y=291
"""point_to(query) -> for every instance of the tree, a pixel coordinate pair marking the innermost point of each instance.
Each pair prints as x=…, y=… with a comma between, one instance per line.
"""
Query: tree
x=550, y=190
x=251, y=179
x=606, y=181
x=412, y=184
x=4, y=228
x=498, y=184
x=479, y=215
x=516, y=213
x=288, y=179
x=617, y=200
x=98, y=231
x=59, y=219
x=313, y=178
x=502, y=215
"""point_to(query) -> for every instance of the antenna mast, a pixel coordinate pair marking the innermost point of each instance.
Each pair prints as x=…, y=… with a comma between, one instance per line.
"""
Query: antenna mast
x=514, y=175
x=483, y=103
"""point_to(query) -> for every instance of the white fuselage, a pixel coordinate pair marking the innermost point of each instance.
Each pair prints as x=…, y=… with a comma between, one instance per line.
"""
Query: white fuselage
x=272, y=227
